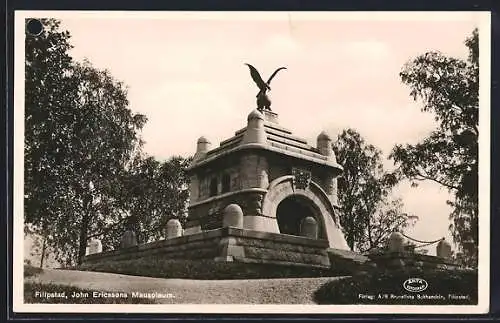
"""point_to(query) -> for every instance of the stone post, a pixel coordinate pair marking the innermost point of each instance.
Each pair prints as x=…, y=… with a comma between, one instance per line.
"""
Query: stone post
x=395, y=242
x=443, y=249
x=324, y=145
x=174, y=229
x=309, y=228
x=202, y=147
x=95, y=246
x=233, y=216
x=255, y=132
x=129, y=239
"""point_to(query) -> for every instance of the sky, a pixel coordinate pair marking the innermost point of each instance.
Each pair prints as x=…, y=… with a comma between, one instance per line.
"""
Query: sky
x=186, y=73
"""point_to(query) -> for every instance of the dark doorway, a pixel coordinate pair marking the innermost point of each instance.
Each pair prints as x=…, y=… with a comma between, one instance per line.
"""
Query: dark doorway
x=291, y=211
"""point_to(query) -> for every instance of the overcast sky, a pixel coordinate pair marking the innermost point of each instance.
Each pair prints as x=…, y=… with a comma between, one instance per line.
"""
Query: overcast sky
x=186, y=73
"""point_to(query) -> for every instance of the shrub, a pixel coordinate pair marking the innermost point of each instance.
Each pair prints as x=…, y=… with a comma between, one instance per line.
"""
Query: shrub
x=386, y=287
x=31, y=288
x=202, y=269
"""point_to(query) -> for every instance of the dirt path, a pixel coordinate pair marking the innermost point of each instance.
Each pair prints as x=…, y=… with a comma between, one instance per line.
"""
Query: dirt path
x=255, y=291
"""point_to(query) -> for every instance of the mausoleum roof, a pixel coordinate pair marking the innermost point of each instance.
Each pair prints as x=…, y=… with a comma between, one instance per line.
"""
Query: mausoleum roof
x=278, y=140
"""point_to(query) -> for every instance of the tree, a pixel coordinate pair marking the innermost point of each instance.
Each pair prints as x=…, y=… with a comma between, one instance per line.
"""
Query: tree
x=368, y=213
x=80, y=136
x=46, y=66
x=448, y=88
x=151, y=193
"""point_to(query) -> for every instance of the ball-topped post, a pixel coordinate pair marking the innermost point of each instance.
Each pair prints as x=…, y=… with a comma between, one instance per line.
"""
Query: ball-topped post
x=255, y=132
x=202, y=147
x=324, y=145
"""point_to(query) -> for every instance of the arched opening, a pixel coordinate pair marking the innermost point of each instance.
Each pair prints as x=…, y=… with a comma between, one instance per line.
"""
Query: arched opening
x=292, y=211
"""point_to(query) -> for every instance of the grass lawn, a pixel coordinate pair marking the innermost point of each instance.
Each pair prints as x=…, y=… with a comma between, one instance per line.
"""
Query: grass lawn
x=184, y=291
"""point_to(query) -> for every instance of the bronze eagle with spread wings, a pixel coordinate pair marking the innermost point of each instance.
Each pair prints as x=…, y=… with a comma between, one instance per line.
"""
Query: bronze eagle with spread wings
x=263, y=102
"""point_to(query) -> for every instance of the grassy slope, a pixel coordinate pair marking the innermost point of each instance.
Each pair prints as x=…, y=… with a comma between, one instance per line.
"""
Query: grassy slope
x=256, y=291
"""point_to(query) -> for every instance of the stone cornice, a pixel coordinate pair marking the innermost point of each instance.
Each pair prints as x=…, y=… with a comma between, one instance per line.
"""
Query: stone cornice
x=275, y=148
x=222, y=196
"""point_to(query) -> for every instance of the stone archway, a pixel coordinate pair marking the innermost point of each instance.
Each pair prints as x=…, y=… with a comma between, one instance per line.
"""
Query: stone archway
x=283, y=188
x=292, y=210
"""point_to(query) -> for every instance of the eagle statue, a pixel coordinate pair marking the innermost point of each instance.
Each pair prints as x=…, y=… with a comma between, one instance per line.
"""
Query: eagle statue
x=263, y=101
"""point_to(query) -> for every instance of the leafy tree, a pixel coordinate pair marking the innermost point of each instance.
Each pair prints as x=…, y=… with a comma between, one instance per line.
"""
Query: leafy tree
x=46, y=66
x=85, y=173
x=387, y=218
x=368, y=213
x=80, y=135
x=151, y=193
x=448, y=88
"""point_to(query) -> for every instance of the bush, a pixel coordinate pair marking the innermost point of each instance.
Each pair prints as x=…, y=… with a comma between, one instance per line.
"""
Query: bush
x=386, y=287
x=202, y=269
x=31, y=271
x=30, y=296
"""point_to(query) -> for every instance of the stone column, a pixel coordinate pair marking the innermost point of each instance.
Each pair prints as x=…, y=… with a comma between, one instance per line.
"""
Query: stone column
x=330, y=187
x=254, y=172
x=194, y=188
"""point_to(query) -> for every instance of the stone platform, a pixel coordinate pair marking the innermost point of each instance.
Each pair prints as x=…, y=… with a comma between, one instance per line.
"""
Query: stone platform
x=230, y=244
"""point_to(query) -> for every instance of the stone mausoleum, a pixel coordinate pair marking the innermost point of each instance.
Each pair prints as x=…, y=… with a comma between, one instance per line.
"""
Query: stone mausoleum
x=267, y=197
x=282, y=184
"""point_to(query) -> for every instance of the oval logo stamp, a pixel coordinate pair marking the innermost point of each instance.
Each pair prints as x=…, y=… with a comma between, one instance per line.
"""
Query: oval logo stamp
x=415, y=285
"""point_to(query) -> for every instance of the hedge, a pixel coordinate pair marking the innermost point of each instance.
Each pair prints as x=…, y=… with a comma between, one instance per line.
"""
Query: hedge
x=386, y=287
x=30, y=271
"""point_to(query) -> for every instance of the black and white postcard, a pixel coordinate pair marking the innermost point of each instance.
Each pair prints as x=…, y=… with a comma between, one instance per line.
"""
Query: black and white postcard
x=252, y=162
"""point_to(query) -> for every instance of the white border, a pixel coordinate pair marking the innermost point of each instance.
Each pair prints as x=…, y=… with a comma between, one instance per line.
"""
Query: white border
x=484, y=20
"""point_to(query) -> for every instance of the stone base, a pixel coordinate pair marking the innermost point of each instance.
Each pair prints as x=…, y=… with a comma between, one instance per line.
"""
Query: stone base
x=270, y=116
x=230, y=245
x=260, y=223
x=402, y=260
